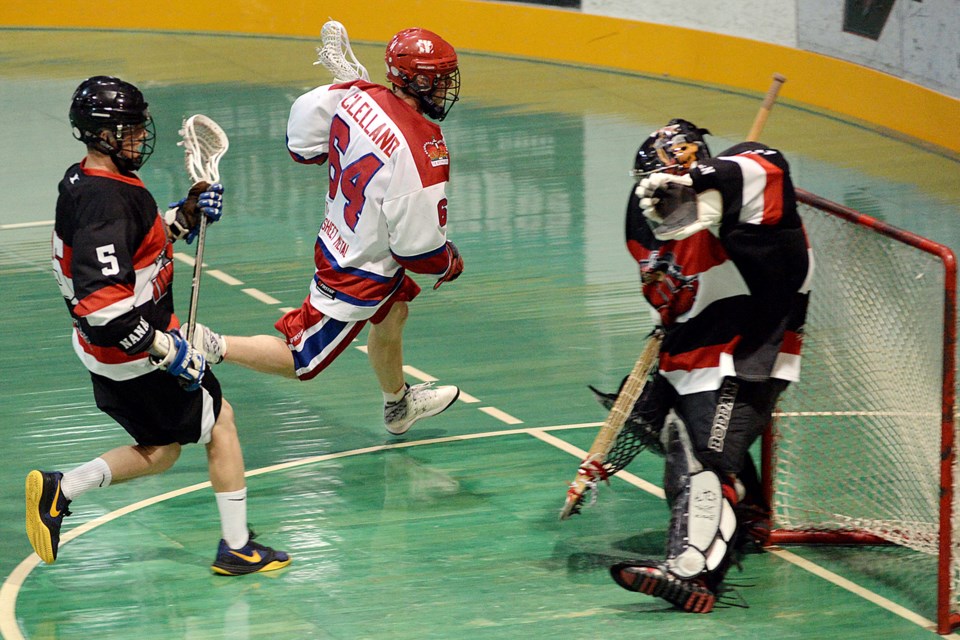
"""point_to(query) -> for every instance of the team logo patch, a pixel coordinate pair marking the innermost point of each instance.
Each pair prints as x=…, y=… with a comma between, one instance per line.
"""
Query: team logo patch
x=163, y=276
x=436, y=151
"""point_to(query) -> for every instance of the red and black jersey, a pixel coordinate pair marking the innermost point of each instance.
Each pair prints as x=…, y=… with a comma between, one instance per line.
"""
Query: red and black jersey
x=114, y=266
x=732, y=299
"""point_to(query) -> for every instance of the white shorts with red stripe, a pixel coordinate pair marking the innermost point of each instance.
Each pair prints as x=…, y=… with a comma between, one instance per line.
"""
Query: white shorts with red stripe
x=316, y=339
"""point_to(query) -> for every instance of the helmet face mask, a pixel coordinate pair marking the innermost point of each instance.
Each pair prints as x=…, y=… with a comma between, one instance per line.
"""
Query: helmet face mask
x=425, y=66
x=675, y=148
x=110, y=116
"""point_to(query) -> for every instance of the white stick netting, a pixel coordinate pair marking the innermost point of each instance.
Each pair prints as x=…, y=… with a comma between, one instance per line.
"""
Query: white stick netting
x=204, y=142
x=334, y=53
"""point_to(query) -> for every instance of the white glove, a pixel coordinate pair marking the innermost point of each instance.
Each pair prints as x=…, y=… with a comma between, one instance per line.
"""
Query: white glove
x=678, y=212
x=649, y=185
x=209, y=343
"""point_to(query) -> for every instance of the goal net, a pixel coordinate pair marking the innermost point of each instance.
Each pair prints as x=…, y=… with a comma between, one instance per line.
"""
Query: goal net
x=862, y=447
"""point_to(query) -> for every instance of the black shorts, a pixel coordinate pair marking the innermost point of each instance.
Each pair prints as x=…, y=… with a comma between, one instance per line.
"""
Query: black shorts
x=156, y=410
x=723, y=424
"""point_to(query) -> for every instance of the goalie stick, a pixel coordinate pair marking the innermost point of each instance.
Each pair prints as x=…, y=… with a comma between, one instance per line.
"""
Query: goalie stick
x=768, y=101
x=593, y=468
x=204, y=142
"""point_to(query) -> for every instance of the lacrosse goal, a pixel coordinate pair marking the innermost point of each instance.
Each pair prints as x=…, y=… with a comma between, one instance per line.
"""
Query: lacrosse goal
x=862, y=449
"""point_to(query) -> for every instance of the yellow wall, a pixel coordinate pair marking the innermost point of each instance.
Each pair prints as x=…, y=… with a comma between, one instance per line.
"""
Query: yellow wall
x=552, y=34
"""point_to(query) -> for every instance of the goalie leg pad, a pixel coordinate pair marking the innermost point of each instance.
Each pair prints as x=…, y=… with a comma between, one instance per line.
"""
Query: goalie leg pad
x=702, y=519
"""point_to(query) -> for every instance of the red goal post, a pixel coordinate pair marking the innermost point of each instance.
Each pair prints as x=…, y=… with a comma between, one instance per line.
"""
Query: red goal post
x=862, y=448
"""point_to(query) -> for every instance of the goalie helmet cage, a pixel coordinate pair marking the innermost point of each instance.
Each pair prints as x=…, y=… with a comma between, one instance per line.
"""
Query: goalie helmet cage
x=862, y=447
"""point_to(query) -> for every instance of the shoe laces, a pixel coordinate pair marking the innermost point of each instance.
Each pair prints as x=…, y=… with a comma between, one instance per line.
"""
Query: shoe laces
x=419, y=395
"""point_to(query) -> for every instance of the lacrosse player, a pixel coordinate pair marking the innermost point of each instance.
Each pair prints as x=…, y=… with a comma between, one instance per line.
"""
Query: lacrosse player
x=726, y=266
x=113, y=260
x=386, y=168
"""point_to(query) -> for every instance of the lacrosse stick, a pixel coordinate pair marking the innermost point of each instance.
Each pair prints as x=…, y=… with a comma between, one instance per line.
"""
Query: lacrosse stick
x=592, y=468
x=204, y=143
x=768, y=101
x=333, y=54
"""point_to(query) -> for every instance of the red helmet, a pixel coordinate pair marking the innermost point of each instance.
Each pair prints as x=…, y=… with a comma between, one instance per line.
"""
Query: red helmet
x=425, y=66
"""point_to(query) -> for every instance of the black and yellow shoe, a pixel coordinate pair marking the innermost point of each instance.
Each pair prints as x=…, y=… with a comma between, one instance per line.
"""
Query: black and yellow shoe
x=251, y=558
x=46, y=508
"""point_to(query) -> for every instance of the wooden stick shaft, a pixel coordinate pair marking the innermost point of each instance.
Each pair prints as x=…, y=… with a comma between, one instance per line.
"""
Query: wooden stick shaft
x=612, y=426
x=768, y=101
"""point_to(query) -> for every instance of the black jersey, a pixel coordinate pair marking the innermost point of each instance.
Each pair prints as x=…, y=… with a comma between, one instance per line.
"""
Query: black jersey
x=114, y=266
x=732, y=299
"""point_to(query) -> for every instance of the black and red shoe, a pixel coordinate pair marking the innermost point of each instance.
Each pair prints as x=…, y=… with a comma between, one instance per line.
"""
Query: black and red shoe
x=654, y=579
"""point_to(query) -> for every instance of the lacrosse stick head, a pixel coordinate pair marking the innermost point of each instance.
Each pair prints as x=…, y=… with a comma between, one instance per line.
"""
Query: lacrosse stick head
x=334, y=53
x=204, y=142
x=425, y=66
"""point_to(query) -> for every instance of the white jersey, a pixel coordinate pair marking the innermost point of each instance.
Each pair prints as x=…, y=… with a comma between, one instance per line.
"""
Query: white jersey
x=386, y=204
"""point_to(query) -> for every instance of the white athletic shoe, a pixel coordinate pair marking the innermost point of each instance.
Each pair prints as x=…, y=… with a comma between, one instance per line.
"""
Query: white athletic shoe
x=211, y=344
x=419, y=401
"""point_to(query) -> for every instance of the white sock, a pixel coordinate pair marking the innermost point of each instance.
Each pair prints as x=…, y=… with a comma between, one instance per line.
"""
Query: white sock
x=233, y=517
x=92, y=475
x=395, y=397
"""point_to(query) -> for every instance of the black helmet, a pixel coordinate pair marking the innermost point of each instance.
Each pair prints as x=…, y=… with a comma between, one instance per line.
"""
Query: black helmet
x=674, y=148
x=105, y=103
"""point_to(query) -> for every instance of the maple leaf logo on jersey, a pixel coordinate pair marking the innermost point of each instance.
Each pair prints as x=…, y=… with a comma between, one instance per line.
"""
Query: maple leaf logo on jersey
x=436, y=150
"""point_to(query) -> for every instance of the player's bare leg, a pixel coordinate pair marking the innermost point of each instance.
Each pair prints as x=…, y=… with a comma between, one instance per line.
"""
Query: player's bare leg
x=385, y=349
x=403, y=404
x=135, y=461
x=224, y=456
x=267, y=354
x=237, y=554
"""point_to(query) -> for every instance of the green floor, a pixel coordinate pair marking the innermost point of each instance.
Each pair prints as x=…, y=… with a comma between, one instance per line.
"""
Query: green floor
x=430, y=536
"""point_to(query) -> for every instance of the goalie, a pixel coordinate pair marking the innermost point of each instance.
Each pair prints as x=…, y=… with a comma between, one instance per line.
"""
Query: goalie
x=726, y=266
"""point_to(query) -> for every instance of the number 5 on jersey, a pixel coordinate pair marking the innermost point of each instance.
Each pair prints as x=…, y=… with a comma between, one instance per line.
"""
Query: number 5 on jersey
x=350, y=181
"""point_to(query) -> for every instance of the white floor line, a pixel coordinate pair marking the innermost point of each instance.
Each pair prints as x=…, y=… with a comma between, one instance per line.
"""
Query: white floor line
x=580, y=454
x=261, y=296
x=11, y=586
x=855, y=589
x=418, y=374
x=223, y=277
x=184, y=258
x=792, y=558
x=502, y=416
x=10, y=629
